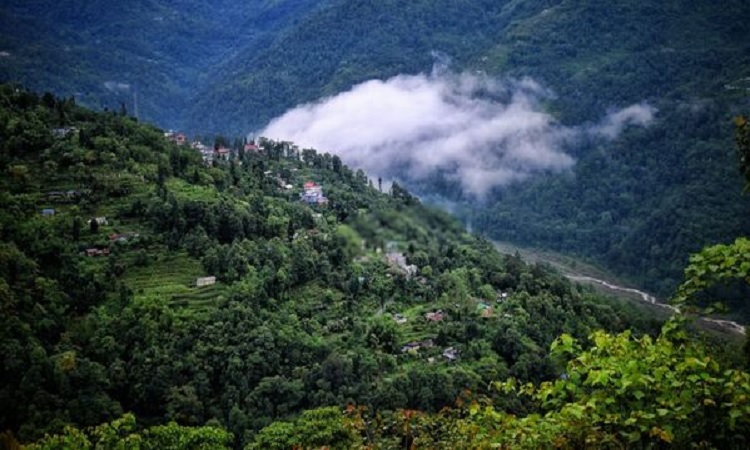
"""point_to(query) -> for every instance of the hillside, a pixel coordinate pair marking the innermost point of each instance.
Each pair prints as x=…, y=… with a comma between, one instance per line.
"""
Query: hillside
x=105, y=54
x=137, y=278
x=637, y=205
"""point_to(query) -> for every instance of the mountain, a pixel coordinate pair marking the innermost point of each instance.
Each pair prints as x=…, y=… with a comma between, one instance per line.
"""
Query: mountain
x=243, y=288
x=638, y=205
x=107, y=54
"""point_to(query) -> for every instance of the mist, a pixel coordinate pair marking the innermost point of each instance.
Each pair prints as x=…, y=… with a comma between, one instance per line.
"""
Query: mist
x=613, y=124
x=479, y=131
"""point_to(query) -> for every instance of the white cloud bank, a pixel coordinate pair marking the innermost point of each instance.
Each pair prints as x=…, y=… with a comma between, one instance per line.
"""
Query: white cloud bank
x=482, y=132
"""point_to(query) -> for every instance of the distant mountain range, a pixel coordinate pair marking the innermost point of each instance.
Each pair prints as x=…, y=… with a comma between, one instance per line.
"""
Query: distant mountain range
x=103, y=52
x=639, y=204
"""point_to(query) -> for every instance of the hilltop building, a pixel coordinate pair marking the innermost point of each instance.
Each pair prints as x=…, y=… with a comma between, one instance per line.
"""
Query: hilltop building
x=176, y=138
x=313, y=194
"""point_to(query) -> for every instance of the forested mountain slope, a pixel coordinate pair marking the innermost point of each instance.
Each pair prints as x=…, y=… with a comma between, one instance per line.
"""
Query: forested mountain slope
x=110, y=237
x=638, y=205
x=103, y=52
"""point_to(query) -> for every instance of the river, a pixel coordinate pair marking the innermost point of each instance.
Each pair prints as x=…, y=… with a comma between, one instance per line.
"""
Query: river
x=581, y=272
x=648, y=298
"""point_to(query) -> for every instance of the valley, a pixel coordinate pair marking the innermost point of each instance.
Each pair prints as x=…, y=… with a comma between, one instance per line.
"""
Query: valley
x=627, y=202
x=285, y=224
x=608, y=284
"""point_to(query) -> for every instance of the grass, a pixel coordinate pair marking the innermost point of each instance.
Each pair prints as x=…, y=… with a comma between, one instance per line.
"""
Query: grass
x=201, y=298
x=191, y=192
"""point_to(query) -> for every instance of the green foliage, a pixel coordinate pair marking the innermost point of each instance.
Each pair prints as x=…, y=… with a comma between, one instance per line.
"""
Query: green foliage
x=314, y=429
x=622, y=392
x=626, y=390
x=718, y=264
x=639, y=205
x=159, y=52
x=742, y=139
x=302, y=312
x=123, y=434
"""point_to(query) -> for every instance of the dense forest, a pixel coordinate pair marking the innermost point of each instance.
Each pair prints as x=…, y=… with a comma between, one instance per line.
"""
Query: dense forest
x=266, y=296
x=638, y=206
x=153, y=53
x=140, y=277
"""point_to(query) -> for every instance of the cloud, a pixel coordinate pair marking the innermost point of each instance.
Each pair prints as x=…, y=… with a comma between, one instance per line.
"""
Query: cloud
x=613, y=124
x=479, y=131
x=116, y=86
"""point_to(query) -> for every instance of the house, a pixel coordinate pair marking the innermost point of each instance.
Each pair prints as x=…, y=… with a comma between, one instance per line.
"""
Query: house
x=48, y=212
x=55, y=195
x=222, y=152
x=207, y=153
x=72, y=194
x=416, y=345
x=501, y=297
x=436, y=316
x=251, y=147
x=450, y=353
x=400, y=319
x=63, y=132
x=122, y=237
x=205, y=281
x=176, y=138
x=99, y=221
x=411, y=346
x=93, y=251
x=313, y=194
x=398, y=260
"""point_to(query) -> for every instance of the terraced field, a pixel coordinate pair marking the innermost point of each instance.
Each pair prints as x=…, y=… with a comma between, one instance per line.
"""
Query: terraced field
x=174, y=277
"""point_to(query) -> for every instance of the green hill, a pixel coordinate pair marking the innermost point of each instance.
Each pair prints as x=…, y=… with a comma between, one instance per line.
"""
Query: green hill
x=105, y=54
x=638, y=205
x=110, y=237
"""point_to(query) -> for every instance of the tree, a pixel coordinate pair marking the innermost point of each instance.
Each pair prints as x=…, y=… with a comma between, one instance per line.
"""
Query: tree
x=317, y=428
x=742, y=138
x=122, y=433
x=383, y=334
x=722, y=263
x=76, y=228
x=623, y=392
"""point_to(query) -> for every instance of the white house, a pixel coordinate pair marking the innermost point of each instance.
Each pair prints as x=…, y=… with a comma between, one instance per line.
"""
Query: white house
x=205, y=281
